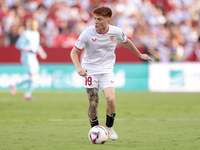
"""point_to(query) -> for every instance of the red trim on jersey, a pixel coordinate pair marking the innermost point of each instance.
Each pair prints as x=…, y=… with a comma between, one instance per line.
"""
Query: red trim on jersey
x=104, y=32
x=78, y=48
x=126, y=41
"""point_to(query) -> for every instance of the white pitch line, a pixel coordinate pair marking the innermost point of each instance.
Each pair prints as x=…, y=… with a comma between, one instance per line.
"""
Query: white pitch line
x=135, y=119
x=182, y=119
x=117, y=119
x=100, y=119
x=14, y=120
x=42, y=112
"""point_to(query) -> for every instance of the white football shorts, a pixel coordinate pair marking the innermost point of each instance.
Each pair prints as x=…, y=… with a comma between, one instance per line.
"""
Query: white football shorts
x=31, y=69
x=101, y=81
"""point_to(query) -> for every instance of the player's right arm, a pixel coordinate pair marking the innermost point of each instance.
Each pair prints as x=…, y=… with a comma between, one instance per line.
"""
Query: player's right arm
x=75, y=60
x=79, y=45
x=23, y=44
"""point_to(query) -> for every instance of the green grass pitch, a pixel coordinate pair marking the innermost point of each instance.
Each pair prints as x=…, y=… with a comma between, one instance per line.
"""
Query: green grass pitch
x=59, y=121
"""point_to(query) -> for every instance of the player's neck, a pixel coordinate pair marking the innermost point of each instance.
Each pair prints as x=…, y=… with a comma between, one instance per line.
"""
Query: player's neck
x=104, y=30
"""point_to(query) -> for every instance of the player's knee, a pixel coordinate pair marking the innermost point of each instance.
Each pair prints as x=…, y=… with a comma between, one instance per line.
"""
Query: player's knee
x=110, y=100
x=93, y=105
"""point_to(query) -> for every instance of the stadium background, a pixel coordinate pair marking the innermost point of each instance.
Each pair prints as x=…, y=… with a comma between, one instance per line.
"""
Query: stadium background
x=145, y=120
x=168, y=30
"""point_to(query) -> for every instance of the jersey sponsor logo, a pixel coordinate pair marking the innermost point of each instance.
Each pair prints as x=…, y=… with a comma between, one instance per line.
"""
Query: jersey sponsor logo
x=112, y=38
x=94, y=40
x=111, y=81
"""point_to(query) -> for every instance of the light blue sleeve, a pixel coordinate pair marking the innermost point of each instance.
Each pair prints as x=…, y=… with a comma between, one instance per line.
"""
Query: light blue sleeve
x=39, y=46
x=22, y=42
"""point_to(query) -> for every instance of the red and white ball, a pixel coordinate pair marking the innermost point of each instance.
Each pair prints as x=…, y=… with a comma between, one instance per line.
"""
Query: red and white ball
x=98, y=135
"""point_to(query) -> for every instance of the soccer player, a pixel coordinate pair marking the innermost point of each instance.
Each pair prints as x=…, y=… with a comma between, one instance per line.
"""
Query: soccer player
x=100, y=41
x=29, y=44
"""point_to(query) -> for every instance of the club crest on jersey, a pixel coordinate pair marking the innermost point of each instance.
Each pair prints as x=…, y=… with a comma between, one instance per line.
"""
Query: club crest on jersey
x=112, y=38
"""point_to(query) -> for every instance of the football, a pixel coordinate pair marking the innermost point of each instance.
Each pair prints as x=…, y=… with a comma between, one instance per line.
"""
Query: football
x=98, y=135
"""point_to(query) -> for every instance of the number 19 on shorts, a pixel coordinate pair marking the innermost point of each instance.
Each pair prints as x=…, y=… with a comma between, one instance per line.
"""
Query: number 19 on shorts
x=88, y=81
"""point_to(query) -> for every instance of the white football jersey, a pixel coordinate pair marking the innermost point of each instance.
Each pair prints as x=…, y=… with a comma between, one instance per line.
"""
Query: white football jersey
x=99, y=56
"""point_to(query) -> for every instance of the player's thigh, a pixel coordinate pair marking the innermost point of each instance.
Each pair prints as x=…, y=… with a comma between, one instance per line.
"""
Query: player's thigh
x=107, y=85
x=106, y=81
x=109, y=93
x=92, y=94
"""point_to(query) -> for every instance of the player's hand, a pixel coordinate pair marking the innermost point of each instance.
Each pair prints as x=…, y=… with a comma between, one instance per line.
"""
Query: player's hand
x=145, y=57
x=81, y=72
x=42, y=54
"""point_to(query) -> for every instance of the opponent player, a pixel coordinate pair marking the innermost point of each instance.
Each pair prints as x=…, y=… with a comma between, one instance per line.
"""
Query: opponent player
x=29, y=44
x=99, y=42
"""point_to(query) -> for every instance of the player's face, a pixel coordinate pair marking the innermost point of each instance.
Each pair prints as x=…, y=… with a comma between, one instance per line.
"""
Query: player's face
x=101, y=23
x=35, y=25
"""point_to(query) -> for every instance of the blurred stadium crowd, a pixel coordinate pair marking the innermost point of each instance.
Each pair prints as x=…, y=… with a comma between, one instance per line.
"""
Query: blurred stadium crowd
x=167, y=29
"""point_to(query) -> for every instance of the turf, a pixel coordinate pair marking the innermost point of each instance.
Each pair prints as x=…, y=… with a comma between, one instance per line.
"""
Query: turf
x=58, y=121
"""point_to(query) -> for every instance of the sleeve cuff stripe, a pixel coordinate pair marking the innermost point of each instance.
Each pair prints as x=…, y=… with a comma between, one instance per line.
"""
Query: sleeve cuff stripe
x=126, y=41
x=78, y=48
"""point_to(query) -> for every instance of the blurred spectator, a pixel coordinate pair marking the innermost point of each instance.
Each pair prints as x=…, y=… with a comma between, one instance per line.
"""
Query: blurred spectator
x=168, y=30
x=197, y=49
x=13, y=35
x=176, y=50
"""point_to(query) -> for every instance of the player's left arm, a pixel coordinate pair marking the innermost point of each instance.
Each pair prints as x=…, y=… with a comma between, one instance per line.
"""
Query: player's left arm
x=41, y=52
x=134, y=49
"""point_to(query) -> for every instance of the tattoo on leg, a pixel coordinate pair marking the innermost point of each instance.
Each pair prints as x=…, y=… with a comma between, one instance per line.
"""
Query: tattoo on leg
x=93, y=97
